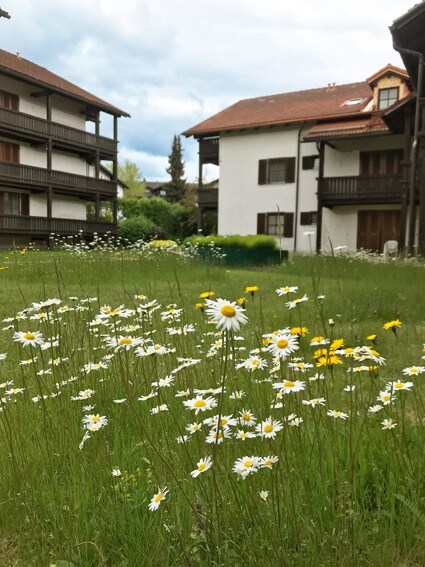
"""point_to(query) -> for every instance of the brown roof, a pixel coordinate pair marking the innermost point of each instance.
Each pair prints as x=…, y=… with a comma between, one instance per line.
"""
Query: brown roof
x=33, y=73
x=347, y=128
x=315, y=104
x=388, y=69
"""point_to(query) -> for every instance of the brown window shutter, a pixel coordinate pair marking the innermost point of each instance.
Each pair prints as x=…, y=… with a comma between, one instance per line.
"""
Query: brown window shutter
x=9, y=152
x=290, y=170
x=262, y=172
x=306, y=218
x=1, y=203
x=25, y=204
x=288, y=225
x=261, y=223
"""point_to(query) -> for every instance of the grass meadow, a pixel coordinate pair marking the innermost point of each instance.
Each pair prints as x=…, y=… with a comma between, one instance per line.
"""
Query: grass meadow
x=136, y=431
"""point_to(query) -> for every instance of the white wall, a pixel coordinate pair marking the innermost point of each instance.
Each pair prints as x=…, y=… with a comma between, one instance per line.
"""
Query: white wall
x=240, y=196
x=63, y=207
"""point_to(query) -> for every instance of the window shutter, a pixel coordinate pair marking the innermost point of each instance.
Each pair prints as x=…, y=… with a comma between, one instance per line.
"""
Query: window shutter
x=305, y=218
x=261, y=223
x=290, y=170
x=25, y=204
x=262, y=172
x=288, y=225
x=9, y=152
x=1, y=203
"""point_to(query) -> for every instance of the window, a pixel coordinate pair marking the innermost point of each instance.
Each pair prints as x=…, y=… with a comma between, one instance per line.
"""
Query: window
x=310, y=162
x=309, y=217
x=278, y=170
x=9, y=100
x=387, y=97
x=276, y=224
x=14, y=203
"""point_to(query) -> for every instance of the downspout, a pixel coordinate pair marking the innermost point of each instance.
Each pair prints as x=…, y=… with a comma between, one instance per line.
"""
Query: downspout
x=297, y=186
x=414, y=150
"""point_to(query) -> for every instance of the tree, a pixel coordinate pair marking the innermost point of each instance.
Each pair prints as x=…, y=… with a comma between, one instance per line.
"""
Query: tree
x=131, y=175
x=176, y=188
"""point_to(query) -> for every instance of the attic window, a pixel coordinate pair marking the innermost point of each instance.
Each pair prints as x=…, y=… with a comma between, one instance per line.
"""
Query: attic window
x=352, y=101
x=387, y=97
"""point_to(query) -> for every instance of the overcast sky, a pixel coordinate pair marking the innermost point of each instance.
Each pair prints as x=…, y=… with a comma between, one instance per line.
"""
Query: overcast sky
x=173, y=63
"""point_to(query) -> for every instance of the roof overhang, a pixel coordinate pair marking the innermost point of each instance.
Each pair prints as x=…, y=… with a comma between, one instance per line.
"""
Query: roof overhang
x=408, y=33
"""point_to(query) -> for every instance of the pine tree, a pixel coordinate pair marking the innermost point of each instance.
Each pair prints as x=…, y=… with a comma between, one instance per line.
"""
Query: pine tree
x=176, y=188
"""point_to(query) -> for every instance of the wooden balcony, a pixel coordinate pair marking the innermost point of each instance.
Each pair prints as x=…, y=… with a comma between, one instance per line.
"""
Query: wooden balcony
x=384, y=189
x=33, y=127
x=209, y=150
x=42, y=227
x=208, y=198
x=28, y=177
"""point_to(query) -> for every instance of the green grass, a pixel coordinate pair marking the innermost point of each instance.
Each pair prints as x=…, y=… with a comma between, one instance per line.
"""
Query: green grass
x=344, y=492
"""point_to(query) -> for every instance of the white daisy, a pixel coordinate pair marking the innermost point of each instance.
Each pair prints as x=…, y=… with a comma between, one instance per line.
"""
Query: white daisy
x=226, y=315
x=32, y=338
x=158, y=498
x=200, y=404
x=202, y=466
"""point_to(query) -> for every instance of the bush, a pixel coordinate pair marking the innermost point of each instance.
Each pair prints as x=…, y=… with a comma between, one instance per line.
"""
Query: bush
x=235, y=241
x=136, y=228
x=172, y=219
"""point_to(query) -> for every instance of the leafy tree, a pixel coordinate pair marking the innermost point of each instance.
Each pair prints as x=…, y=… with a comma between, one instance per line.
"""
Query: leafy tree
x=176, y=188
x=131, y=175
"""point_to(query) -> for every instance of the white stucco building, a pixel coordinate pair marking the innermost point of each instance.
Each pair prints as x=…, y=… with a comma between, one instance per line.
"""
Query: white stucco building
x=316, y=168
x=50, y=165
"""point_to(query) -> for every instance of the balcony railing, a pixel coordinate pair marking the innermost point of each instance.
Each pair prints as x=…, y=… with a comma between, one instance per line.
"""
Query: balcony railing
x=34, y=126
x=357, y=190
x=208, y=197
x=27, y=176
x=42, y=226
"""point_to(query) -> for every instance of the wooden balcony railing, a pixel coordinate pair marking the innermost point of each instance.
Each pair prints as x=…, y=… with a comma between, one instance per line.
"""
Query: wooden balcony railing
x=31, y=177
x=357, y=190
x=42, y=226
x=38, y=127
x=208, y=197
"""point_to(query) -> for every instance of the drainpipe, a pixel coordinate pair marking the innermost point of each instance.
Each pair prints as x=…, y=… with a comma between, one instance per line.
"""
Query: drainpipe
x=297, y=186
x=414, y=150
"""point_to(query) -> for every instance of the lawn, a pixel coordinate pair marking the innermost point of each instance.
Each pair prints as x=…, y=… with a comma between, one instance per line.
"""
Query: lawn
x=137, y=431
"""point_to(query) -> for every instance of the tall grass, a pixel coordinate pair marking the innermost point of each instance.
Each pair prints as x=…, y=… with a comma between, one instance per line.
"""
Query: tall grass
x=342, y=491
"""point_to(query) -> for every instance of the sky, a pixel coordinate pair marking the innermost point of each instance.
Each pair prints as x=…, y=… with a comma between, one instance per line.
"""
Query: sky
x=174, y=63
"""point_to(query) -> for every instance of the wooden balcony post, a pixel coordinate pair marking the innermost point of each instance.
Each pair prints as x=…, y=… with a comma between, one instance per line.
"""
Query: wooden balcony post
x=49, y=202
x=115, y=210
x=115, y=158
x=96, y=207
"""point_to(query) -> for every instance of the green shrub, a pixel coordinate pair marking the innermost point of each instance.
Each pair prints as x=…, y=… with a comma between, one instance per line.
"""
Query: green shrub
x=235, y=241
x=136, y=228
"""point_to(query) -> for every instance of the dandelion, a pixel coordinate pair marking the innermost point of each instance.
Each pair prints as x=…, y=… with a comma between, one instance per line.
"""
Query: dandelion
x=32, y=338
x=241, y=301
x=388, y=424
x=299, y=331
x=206, y=294
x=392, y=325
x=202, y=466
x=200, y=404
x=201, y=306
x=252, y=289
x=158, y=498
x=227, y=315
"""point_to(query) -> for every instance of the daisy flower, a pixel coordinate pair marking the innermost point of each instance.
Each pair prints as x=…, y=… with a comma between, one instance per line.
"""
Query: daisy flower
x=247, y=418
x=337, y=414
x=268, y=462
x=288, y=386
x=388, y=424
x=193, y=427
x=413, y=370
x=396, y=386
x=116, y=472
x=242, y=435
x=200, y=404
x=227, y=315
x=158, y=498
x=246, y=465
x=268, y=428
x=253, y=363
x=202, y=466
x=217, y=437
x=375, y=409
x=286, y=289
x=282, y=345
x=264, y=494
x=295, y=302
x=314, y=402
x=32, y=338
x=94, y=422
x=385, y=397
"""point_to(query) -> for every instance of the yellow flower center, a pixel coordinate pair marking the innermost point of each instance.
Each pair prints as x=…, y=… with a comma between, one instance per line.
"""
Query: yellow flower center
x=95, y=419
x=125, y=341
x=200, y=403
x=223, y=421
x=268, y=428
x=247, y=464
x=228, y=311
x=159, y=497
x=29, y=336
x=201, y=467
x=282, y=343
x=386, y=397
x=268, y=463
x=288, y=384
x=246, y=417
x=399, y=385
x=255, y=362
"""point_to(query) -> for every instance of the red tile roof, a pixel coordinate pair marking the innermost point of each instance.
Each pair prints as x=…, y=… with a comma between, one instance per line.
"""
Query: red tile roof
x=315, y=104
x=388, y=69
x=347, y=128
x=44, y=78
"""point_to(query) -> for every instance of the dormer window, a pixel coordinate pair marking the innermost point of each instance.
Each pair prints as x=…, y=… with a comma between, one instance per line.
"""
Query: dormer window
x=387, y=97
